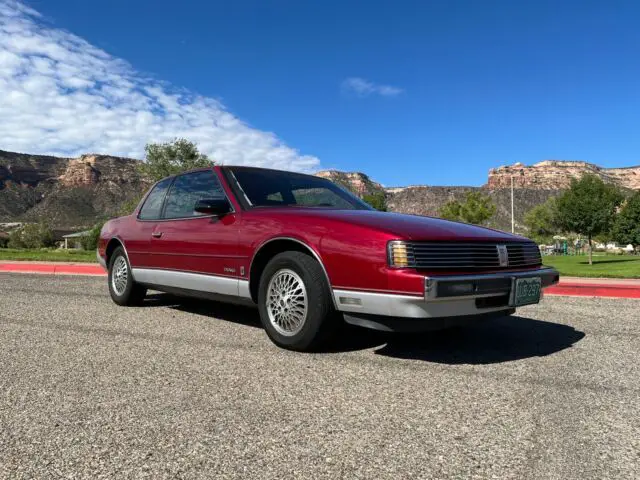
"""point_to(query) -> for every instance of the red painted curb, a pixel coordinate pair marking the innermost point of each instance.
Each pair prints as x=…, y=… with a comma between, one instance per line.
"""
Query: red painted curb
x=52, y=268
x=562, y=289
x=594, y=290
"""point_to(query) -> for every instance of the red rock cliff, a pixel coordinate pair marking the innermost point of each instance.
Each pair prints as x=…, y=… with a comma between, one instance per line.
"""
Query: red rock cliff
x=557, y=175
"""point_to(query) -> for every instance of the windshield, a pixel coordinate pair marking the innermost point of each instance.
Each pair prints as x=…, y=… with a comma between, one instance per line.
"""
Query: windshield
x=267, y=188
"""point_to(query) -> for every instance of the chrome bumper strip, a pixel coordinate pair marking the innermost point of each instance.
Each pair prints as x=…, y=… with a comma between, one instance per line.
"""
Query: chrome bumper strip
x=549, y=277
x=432, y=306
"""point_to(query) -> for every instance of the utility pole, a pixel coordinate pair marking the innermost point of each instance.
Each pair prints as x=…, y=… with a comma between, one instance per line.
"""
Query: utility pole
x=513, y=222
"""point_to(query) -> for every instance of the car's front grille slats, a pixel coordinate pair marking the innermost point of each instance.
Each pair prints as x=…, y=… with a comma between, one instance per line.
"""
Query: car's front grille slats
x=471, y=256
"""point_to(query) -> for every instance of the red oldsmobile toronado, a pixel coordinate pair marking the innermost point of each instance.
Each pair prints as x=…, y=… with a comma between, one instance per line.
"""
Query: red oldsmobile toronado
x=310, y=255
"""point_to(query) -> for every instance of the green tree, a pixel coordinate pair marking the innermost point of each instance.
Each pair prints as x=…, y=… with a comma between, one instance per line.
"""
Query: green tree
x=129, y=206
x=31, y=235
x=377, y=200
x=626, y=229
x=541, y=221
x=90, y=242
x=164, y=159
x=588, y=207
x=476, y=208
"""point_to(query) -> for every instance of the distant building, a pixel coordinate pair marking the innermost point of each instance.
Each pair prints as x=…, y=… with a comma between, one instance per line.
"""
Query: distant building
x=74, y=240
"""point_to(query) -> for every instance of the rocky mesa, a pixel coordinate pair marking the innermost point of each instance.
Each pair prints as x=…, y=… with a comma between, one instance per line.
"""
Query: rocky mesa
x=557, y=174
x=533, y=185
x=67, y=192
x=73, y=193
x=357, y=182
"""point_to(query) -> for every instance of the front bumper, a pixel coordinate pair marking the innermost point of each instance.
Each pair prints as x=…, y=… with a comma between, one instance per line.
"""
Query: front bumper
x=443, y=296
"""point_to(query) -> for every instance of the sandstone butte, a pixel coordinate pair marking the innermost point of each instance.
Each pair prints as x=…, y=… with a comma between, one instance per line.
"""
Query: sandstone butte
x=557, y=175
x=72, y=192
x=90, y=169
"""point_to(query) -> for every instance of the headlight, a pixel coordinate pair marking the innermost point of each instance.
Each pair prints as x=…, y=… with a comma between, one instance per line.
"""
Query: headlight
x=400, y=254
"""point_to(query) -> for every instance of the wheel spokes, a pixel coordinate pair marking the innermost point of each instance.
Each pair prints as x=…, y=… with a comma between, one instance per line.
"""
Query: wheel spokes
x=286, y=302
x=119, y=275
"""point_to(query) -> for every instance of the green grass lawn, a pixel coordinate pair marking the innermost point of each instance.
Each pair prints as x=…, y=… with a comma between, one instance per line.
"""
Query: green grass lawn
x=611, y=266
x=48, y=255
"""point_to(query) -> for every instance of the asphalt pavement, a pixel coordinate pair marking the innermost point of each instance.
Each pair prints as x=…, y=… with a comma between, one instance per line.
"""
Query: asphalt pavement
x=190, y=389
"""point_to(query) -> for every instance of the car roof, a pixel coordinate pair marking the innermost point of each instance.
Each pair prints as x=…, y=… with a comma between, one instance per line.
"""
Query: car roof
x=249, y=167
x=234, y=167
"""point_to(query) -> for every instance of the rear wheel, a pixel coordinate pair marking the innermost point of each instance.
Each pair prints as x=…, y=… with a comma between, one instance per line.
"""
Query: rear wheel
x=124, y=291
x=295, y=303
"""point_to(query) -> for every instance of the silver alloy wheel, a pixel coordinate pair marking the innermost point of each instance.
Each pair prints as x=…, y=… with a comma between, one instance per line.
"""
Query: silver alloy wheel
x=287, y=304
x=119, y=275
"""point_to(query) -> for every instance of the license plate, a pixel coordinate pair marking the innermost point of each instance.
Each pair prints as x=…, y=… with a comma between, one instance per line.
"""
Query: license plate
x=527, y=291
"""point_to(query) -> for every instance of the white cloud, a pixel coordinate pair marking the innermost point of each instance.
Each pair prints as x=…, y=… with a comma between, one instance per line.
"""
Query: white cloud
x=60, y=95
x=364, y=88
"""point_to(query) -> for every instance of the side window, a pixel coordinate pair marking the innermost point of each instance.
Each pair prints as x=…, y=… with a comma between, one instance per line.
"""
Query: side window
x=187, y=189
x=153, y=204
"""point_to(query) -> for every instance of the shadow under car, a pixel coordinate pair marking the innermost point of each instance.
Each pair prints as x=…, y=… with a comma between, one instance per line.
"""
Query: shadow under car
x=491, y=341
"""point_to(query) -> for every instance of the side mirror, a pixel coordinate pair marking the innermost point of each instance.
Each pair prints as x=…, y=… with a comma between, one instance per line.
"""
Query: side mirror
x=212, y=206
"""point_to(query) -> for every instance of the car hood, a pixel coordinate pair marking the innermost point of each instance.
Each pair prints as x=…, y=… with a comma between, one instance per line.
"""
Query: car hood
x=411, y=227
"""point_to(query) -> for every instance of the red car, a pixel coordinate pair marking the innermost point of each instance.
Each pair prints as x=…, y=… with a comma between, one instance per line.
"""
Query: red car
x=310, y=254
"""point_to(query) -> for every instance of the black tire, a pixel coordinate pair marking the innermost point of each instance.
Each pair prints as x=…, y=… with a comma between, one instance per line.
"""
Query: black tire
x=320, y=319
x=132, y=293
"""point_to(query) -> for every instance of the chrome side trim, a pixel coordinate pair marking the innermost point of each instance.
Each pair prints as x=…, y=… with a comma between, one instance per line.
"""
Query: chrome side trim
x=528, y=273
x=311, y=250
x=191, y=281
x=406, y=306
x=197, y=217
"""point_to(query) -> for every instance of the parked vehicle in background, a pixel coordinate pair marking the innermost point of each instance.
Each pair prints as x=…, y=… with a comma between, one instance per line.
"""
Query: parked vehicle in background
x=310, y=255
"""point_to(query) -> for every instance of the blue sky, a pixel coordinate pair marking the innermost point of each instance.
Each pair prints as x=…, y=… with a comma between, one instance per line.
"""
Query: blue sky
x=410, y=92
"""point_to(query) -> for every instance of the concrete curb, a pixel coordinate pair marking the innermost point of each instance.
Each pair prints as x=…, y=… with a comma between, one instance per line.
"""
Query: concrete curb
x=592, y=287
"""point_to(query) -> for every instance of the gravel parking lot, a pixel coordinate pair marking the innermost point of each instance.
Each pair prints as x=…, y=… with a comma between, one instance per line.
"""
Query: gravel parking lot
x=188, y=389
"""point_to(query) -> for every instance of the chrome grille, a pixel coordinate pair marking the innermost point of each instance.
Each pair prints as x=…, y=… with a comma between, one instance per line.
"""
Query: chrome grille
x=470, y=256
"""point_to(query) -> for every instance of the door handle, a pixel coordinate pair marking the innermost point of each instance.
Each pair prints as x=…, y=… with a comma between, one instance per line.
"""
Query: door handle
x=156, y=234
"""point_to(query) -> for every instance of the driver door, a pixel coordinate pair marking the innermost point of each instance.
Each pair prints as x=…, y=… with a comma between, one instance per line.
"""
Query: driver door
x=187, y=242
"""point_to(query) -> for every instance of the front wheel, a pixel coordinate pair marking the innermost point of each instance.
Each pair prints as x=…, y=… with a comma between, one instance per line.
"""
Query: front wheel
x=295, y=303
x=124, y=291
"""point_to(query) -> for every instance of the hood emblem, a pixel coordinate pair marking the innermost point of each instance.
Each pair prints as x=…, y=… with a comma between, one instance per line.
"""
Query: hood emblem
x=503, y=255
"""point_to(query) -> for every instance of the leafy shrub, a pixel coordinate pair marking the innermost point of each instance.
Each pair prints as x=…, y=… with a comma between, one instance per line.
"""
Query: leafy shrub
x=477, y=208
x=90, y=242
x=31, y=235
x=377, y=201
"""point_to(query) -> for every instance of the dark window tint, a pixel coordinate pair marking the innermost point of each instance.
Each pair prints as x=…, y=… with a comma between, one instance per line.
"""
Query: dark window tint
x=153, y=204
x=263, y=188
x=187, y=189
x=319, y=197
